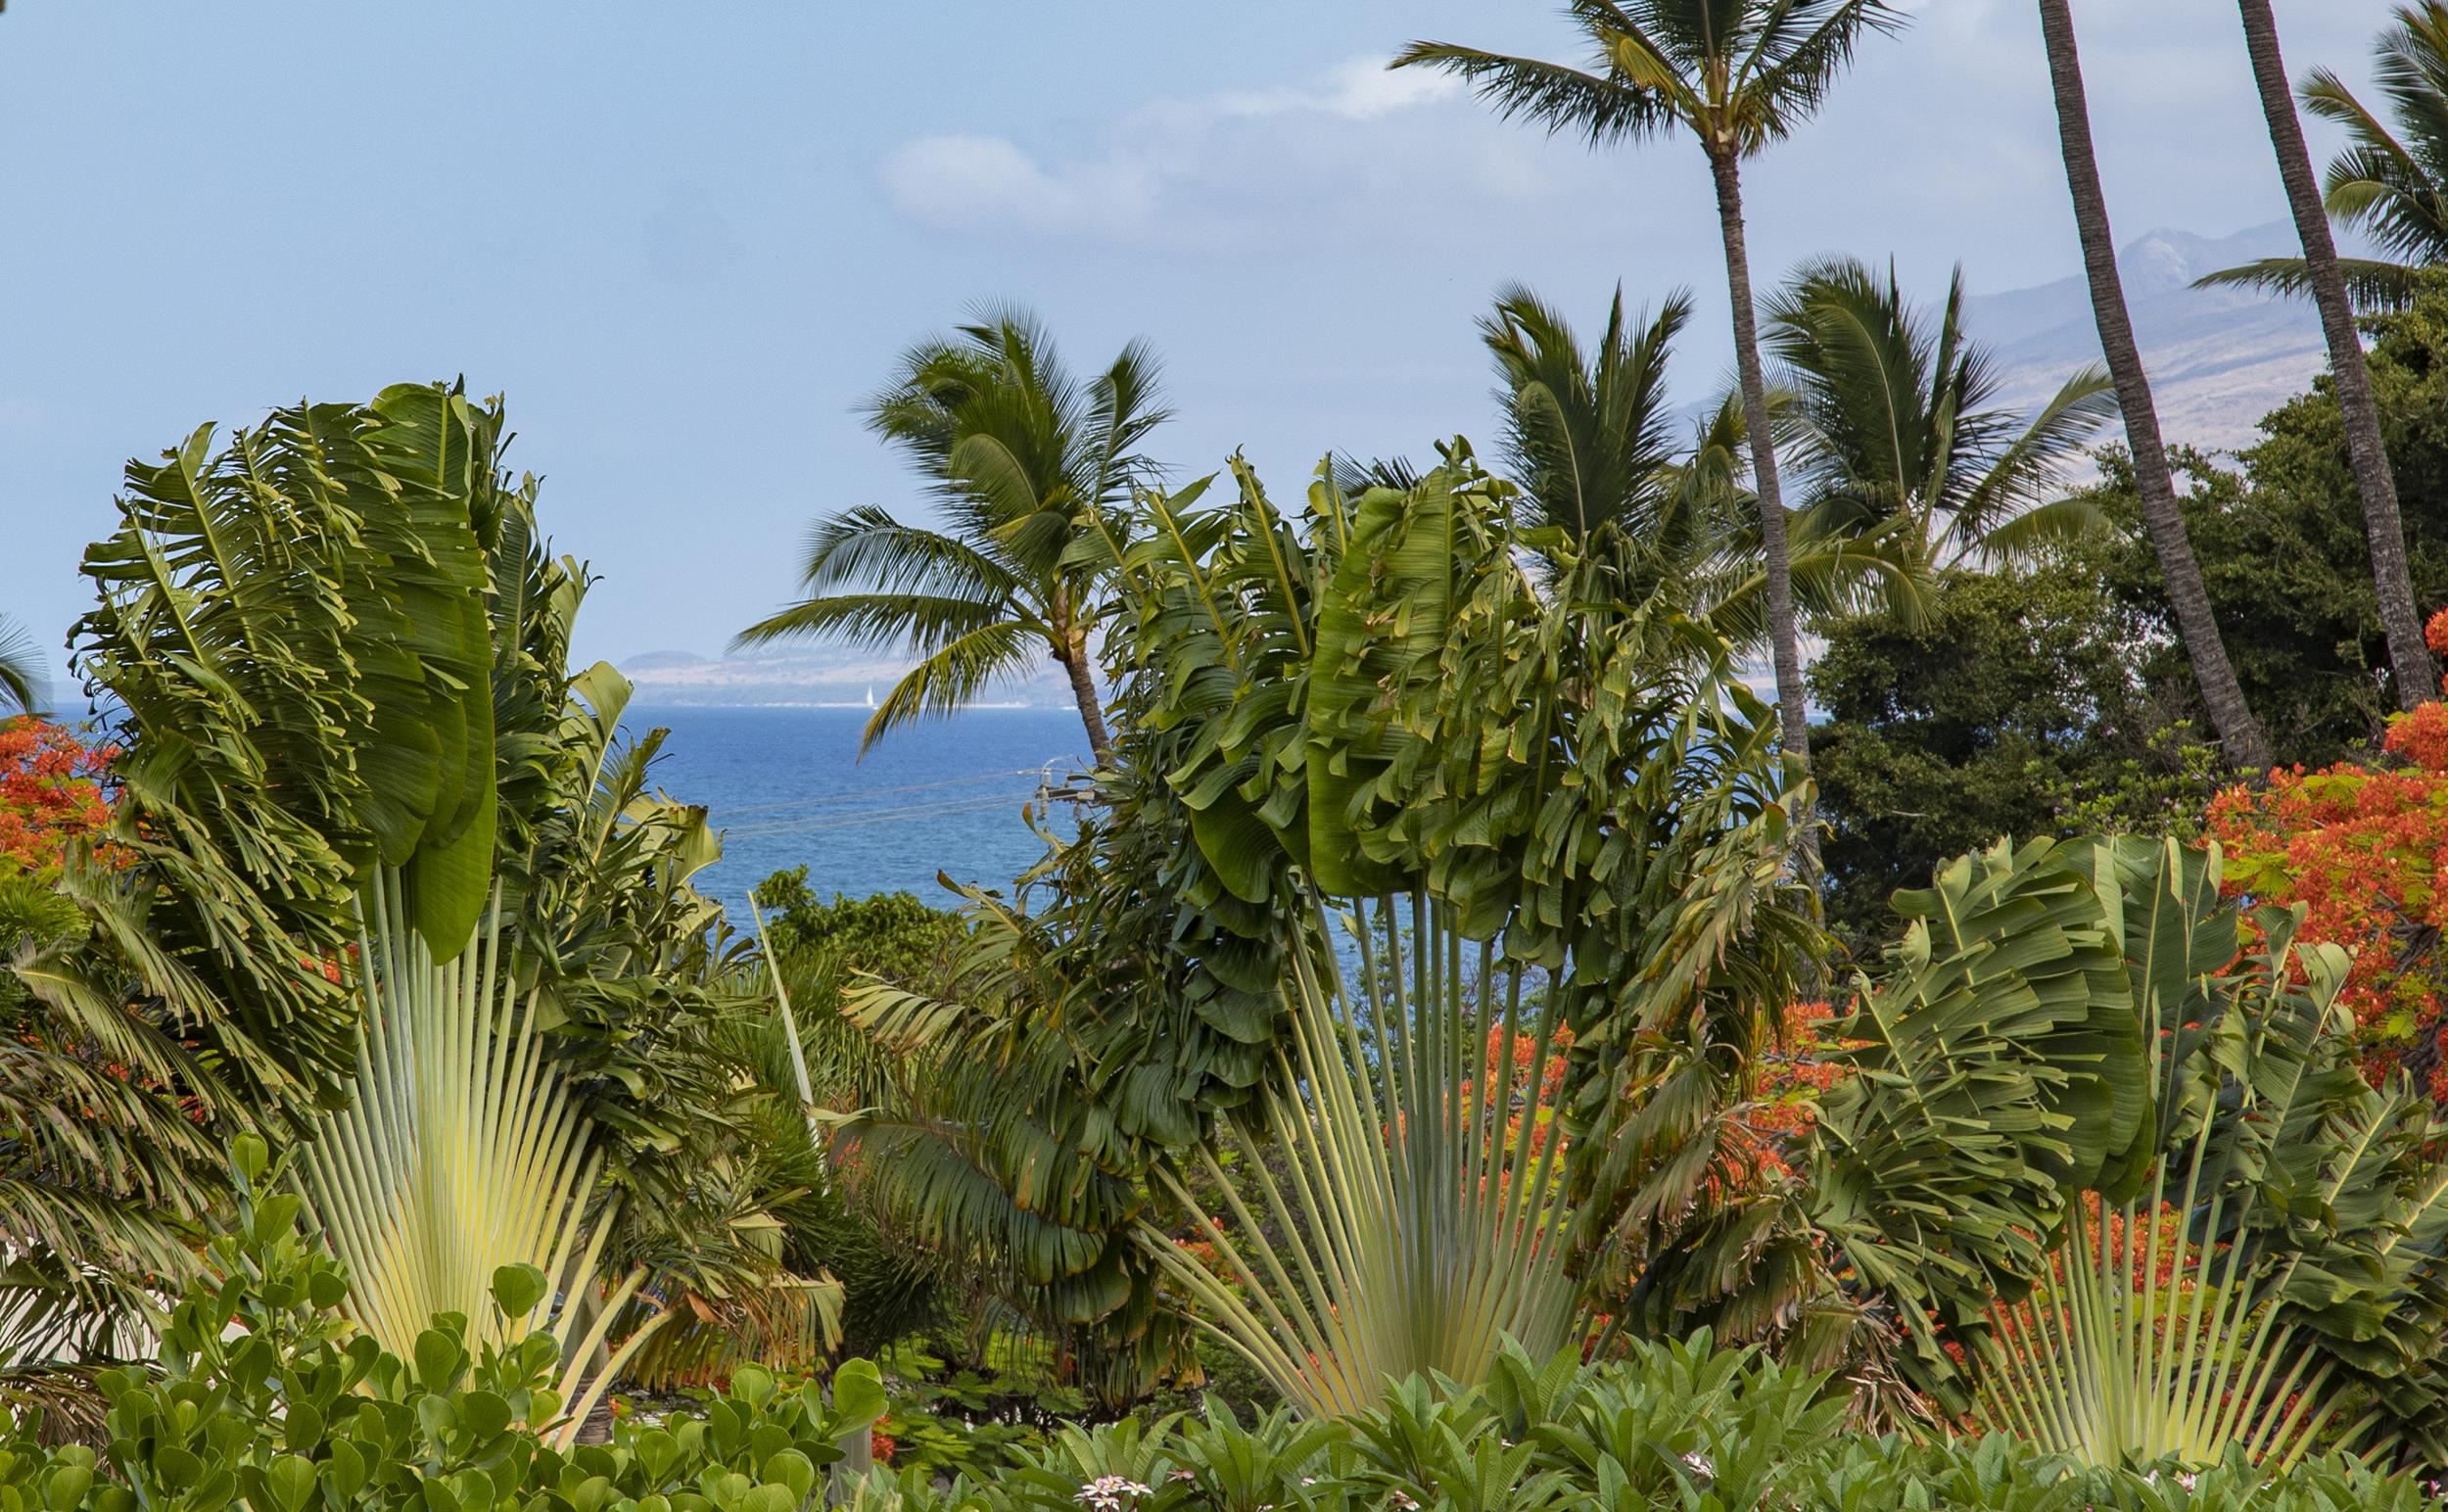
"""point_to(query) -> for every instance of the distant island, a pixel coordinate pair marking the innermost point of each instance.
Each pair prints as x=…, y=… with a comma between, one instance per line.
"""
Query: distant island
x=802, y=677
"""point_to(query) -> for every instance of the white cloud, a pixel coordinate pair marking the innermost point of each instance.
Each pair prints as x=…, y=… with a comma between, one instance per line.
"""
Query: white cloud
x=1168, y=169
x=1359, y=88
x=970, y=182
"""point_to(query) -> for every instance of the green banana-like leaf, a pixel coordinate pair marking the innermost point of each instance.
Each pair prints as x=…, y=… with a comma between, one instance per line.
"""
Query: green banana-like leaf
x=1989, y=1087
x=1387, y=613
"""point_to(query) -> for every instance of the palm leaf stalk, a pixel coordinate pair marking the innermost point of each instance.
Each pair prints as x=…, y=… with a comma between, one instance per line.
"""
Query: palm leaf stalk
x=1412, y=1233
x=2112, y=1361
x=463, y=1152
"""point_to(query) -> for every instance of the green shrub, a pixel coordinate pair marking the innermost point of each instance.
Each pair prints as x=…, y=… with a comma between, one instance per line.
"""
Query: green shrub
x=1671, y=1426
x=264, y=1397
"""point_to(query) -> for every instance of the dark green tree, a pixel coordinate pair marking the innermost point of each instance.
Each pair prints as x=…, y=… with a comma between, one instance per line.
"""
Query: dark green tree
x=2008, y=699
x=2282, y=548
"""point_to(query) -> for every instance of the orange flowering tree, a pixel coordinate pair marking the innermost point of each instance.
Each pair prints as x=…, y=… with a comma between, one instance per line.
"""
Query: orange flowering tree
x=50, y=794
x=2364, y=849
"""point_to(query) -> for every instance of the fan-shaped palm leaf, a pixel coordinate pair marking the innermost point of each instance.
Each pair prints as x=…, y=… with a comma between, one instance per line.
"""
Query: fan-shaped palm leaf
x=463, y=1153
x=1420, y=1223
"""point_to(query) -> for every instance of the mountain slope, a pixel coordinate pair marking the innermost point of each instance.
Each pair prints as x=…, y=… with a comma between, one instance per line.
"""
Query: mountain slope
x=2219, y=359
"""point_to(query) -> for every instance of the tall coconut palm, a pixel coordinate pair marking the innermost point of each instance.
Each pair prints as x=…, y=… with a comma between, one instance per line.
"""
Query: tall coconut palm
x=1738, y=76
x=2390, y=185
x=1023, y=462
x=2408, y=658
x=2248, y=748
x=21, y=674
x=1896, y=429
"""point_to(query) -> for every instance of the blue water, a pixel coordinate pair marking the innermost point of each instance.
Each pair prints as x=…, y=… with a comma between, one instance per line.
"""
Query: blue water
x=787, y=788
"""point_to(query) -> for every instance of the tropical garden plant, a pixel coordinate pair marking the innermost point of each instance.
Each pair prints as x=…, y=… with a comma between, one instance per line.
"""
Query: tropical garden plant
x=1022, y=459
x=340, y=647
x=1739, y=76
x=2101, y=1148
x=1420, y=1223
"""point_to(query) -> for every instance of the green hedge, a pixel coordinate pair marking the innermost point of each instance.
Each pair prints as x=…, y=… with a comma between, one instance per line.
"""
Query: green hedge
x=1671, y=1426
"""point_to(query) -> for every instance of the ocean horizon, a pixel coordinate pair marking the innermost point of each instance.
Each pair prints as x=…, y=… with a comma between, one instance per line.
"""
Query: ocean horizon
x=785, y=785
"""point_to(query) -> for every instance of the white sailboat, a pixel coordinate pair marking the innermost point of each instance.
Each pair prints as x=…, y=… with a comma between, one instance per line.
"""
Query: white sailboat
x=871, y=695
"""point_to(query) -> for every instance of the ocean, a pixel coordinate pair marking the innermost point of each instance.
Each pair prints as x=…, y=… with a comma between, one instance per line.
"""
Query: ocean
x=787, y=787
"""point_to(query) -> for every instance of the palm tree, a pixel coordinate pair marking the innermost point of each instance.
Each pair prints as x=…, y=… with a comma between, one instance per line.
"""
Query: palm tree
x=1025, y=463
x=1591, y=439
x=1737, y=75
x=2391, y=187
x=21, y=673
x=1590, y=436
x=2408, y=658
x=1895, y=430
x=2247, y=747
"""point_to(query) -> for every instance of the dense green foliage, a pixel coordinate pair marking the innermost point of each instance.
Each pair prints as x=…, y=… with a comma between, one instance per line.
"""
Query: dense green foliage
x=2280, y=540
x=1669, y=1426
x=2012, y=703
x=290, y=1409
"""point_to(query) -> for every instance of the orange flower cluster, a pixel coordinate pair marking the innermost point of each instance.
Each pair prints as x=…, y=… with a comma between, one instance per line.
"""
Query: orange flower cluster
x=1793, y=1076
x=2365, y=850
x=1521, y=1085
x=50, y=793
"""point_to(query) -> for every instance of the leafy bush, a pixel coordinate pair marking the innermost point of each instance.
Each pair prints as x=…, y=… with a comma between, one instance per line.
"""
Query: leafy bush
x=263, y=1395
x=1671, y=1425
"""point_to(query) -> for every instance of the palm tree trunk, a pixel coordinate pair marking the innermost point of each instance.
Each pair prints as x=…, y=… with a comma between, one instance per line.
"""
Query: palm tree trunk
x=1792, y=705
x=2408, y=658
x=2247, y=749
x=1074, y=660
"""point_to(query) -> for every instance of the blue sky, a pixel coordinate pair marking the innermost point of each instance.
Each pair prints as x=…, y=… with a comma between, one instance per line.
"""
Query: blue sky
x=686, y=239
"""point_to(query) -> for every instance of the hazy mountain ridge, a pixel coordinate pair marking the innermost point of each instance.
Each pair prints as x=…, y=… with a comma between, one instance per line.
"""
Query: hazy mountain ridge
x=2219, y=359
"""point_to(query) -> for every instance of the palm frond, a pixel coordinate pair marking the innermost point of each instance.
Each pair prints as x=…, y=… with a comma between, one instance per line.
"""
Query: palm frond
x=1421, y=1223
x=21, y=682
x=464, y=1154
x=953, y=677
x=1562, y=99
x=2371, y=284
